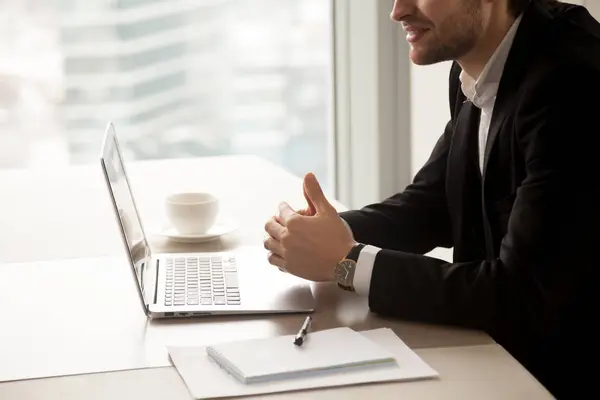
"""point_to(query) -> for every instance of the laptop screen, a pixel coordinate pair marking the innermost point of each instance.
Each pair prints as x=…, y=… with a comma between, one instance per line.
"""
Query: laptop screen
x=124, y=204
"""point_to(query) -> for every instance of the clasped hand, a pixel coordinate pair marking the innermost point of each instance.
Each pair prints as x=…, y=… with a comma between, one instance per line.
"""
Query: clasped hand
x=308, y=243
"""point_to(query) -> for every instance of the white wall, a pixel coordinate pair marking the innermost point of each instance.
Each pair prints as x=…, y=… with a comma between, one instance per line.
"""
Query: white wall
x=429, y=109
x=429, y=114
x=592, y=5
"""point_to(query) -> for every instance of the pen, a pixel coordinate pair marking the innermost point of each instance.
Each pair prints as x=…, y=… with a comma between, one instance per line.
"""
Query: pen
x=303, y=332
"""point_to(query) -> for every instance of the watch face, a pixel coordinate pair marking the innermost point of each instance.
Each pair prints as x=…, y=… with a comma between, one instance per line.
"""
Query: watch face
x=342, y=271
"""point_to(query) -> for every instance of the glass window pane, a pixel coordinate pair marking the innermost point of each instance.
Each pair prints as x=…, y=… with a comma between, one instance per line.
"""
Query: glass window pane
x=179, y=78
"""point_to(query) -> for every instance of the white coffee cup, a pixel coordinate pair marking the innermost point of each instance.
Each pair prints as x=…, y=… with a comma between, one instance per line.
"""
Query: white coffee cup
x=192, y=213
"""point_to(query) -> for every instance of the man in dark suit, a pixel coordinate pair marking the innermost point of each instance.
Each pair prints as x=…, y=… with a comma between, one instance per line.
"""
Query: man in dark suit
x=512, y=186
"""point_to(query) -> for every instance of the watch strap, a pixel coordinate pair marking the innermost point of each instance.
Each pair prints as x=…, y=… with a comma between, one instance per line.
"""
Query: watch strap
x=355, y=252
x=352, y=255
x=348, y=288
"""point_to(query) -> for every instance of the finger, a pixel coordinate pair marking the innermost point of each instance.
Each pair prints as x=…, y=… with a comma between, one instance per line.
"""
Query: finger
x=274, y=228
x=285, y=213
x=276, y=260
x=274, y=246
x=314, y=192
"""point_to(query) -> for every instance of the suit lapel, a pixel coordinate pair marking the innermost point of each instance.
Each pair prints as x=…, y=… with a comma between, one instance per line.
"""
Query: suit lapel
x=463, y=157
x=467, y=128
x=533, y=24
x=463, y=191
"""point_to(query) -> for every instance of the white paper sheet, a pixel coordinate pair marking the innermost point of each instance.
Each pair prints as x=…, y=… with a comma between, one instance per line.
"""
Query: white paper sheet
x=206, y=380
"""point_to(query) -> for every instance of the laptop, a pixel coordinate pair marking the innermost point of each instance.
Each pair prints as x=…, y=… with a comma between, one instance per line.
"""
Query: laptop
x=239, y=281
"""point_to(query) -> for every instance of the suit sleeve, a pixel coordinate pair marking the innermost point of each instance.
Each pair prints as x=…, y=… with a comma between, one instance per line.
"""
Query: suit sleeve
x=551, y=237
x=415, y=220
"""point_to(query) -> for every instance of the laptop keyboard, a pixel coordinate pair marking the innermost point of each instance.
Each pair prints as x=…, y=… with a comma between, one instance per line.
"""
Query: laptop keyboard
x=203, y=280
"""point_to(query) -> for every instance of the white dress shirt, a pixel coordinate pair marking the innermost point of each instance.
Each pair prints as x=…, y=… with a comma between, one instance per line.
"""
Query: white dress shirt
x=481, y=91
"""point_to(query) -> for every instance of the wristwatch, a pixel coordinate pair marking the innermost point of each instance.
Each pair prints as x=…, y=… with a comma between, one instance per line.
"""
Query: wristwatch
x=344, y=270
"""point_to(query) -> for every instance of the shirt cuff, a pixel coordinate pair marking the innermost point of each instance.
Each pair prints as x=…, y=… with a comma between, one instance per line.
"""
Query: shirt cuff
x=364, y=269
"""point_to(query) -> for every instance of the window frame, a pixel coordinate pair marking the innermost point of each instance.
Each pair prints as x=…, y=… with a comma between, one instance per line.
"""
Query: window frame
x=371, y=107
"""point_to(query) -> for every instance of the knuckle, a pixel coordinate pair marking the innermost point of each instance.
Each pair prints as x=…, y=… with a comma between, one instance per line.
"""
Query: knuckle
x=273, y=259
x=269, y=225
x=286, y=239
x=282, y=252
x=294, y=222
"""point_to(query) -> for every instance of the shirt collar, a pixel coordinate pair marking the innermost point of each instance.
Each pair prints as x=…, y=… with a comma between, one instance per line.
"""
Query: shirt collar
x=482, y=90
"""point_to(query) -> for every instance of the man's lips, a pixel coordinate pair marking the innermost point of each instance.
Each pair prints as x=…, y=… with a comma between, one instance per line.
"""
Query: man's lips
x=414, y=33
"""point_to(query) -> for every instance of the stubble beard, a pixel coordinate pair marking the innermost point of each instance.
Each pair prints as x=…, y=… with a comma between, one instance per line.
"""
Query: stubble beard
x=455, y=36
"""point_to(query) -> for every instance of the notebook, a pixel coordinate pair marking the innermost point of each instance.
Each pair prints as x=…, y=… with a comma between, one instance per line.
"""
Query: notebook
x=331, y=350
x=205, y=379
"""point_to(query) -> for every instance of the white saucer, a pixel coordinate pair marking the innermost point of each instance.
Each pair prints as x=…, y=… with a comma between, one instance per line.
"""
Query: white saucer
x=219, y=229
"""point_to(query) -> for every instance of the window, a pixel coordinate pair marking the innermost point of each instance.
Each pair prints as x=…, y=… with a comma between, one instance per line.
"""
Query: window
x=179, y=78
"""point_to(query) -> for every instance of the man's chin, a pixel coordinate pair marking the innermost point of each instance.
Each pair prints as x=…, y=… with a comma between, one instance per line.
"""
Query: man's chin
x=420, y=57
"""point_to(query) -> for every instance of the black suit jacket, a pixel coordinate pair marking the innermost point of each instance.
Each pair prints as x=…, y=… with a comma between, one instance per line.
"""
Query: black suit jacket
x=526, y=232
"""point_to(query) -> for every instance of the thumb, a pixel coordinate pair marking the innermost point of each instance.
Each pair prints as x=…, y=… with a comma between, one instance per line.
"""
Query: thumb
x=311, y=210
x=315, y=195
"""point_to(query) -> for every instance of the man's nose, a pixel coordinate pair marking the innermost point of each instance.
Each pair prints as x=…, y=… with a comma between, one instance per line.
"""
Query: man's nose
x=402, y=8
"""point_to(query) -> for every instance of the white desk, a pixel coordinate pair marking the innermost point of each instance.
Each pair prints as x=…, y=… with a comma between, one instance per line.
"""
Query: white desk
x=54, y=321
